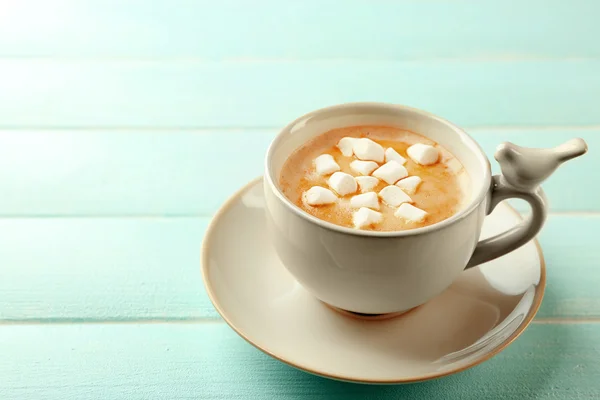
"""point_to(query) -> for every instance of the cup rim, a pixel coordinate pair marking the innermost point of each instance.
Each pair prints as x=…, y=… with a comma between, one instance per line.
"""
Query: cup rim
x=475, y=202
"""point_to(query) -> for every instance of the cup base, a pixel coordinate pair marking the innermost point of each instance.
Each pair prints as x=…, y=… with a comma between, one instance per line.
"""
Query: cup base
x=370, y=317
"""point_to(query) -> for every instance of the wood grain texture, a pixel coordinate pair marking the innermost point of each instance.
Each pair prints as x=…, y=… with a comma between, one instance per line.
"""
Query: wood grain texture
x=102, y=269
x=159, y=94
x=572, y=260
x=208, y=361
x=114, y=108
x=136, y=269
x=304, y=30
x=175, y=173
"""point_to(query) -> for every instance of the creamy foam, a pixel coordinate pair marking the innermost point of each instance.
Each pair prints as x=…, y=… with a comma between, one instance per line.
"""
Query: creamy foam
x=444, y=189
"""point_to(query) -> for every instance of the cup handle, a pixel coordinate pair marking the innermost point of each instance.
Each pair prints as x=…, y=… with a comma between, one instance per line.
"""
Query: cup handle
x=523, y=170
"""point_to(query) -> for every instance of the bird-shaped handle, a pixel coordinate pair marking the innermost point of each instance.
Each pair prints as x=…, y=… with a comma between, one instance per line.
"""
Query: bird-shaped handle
x=523, y=170
x=526, y=168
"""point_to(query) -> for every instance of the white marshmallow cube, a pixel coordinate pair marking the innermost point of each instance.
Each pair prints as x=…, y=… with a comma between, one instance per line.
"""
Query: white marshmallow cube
x=343, y=183
x=366, y=183
x=391, y=154
x=317, y=196
x=394, y=196
x=365, y=217
x=345, y=145
x=369, y=200
x=326, y=165
x=368, y=150
x=410, y=184
x=423, y=154
x=363, y=167
x=391, y=172
x=410, y=213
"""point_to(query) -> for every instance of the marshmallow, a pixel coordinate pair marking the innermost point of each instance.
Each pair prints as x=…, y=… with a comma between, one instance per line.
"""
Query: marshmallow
x=317, y=195
x=365, y=216
x=366, y=183
x=394, y=196
x=325, y=164
x=363, y=167
x=410, y=184
x=391, y=154
x=369, y=200
x=410, y=213
x=345, y=145
x=391, y=172
x=423, y=154
x=366, y=149
x=342, y=183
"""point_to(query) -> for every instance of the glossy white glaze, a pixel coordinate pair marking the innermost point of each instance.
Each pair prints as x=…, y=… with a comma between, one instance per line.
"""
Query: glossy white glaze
x=477, y=316
x=375, y=272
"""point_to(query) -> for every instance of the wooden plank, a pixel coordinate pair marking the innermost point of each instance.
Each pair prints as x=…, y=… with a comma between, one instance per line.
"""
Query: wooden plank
x=309, y=30
x=208, y=361
x=570, y=251
x=103, y=269
x=155, y=94
x=183, y=172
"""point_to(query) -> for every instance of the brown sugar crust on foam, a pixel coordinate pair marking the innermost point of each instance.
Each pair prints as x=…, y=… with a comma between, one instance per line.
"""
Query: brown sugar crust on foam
x=440, y=193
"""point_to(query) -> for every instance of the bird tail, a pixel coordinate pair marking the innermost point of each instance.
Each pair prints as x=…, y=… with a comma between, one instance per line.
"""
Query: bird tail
x=571, y=149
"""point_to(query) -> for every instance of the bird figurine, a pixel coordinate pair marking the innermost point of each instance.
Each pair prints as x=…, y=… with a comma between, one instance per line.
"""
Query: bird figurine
x=526, y=168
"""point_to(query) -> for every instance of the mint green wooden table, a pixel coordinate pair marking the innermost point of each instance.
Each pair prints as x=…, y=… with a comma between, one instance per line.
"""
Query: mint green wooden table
x=111, y=113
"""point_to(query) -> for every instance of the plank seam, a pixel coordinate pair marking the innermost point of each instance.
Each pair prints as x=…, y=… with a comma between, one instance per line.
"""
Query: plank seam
x=501, y=59
x=212, y=129
x=218, y=320
x=566, y=213
x=108, y=321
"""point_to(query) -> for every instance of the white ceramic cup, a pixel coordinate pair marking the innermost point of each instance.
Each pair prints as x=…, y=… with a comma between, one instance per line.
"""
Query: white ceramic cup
x=382, y=272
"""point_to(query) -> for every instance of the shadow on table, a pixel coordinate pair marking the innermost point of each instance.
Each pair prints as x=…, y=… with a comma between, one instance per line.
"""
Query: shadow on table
x=526, y=369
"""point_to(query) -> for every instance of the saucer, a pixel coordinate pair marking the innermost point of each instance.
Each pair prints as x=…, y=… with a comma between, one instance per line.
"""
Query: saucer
x=483, y=311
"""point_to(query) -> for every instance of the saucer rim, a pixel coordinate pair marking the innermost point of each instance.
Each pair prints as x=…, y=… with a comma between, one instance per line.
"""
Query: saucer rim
x=540, y=289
